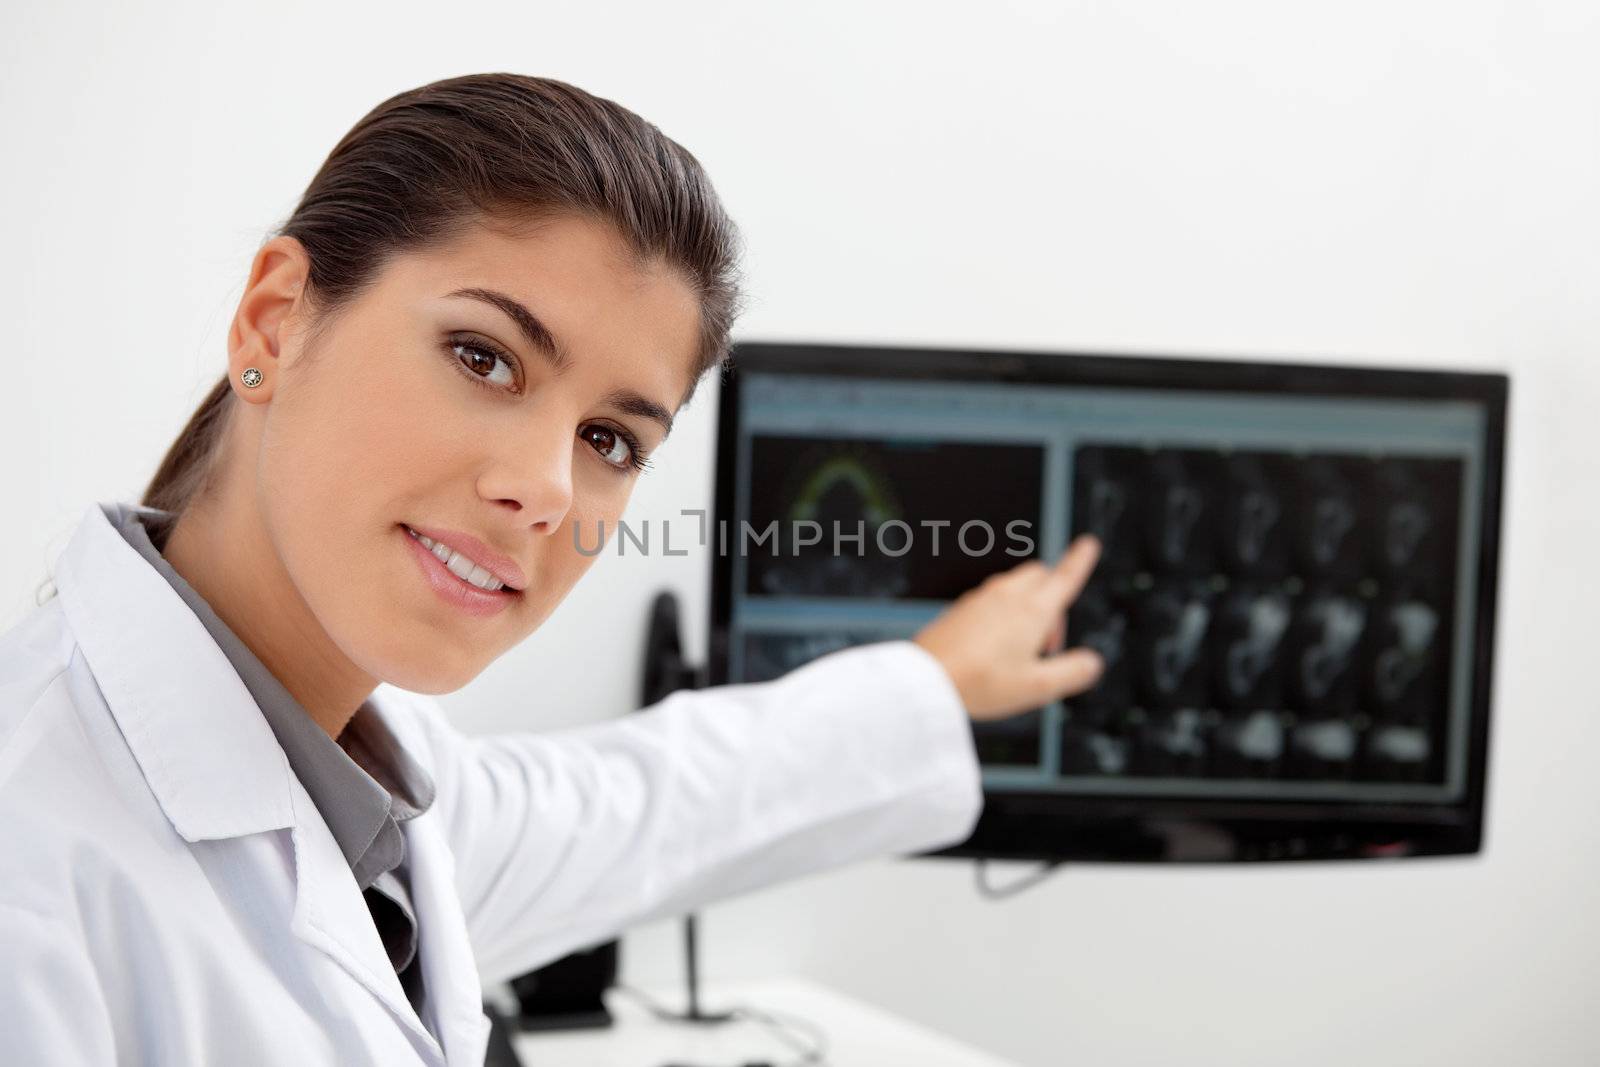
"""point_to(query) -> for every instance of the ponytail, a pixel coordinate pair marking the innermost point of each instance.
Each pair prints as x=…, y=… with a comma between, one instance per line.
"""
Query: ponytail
x=185, y=470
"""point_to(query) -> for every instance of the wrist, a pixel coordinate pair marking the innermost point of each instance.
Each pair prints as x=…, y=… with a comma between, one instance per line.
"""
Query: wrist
x=948, y=670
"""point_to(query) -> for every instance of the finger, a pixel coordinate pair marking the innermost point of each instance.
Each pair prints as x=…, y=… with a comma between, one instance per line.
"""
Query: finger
x=1071, y=572
x=1066, y=674
x=1057, y=638
x=1030, y=569
x=1014, y=574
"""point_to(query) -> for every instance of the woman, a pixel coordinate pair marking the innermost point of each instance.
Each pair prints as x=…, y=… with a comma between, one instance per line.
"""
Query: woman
x=233, y=829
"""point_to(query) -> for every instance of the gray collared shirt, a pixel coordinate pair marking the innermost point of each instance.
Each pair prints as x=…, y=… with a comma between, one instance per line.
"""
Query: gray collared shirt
x=364, y=785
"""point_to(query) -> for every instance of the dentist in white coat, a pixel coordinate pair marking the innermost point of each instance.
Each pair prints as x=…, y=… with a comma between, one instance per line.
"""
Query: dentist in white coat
x=234, y=826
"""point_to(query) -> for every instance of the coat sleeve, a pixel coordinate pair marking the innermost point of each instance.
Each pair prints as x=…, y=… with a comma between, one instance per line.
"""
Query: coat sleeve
x=564, y=839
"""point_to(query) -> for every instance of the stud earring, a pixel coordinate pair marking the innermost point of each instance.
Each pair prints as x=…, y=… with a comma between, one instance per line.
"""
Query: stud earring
x=251, y=377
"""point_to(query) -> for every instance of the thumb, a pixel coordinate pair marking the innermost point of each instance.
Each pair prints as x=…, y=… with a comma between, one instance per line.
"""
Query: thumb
x=1066, y=674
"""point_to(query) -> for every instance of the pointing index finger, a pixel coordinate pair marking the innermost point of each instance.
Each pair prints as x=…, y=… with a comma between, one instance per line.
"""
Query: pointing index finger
x=1071, y=572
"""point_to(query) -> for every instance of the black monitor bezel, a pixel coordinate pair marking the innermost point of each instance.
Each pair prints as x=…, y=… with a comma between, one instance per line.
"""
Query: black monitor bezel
x=1026, y=825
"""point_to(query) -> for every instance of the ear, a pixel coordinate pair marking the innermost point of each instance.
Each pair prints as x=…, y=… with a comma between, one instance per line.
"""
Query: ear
x=272, y=299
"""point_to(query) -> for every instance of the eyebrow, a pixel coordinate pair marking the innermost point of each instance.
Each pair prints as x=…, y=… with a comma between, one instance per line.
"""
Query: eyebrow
x=544, y=342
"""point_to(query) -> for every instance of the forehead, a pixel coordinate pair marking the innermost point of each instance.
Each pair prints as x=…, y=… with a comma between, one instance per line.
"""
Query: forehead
x=609, y=310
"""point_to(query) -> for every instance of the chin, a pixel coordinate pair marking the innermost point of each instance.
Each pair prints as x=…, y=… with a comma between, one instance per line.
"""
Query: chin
x=418, y=675
x=429, y=684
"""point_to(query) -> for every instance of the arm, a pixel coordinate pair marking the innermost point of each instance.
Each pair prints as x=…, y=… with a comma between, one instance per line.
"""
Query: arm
x=564, y=839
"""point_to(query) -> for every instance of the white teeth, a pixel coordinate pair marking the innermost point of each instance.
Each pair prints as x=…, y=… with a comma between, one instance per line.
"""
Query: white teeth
x=472, y=573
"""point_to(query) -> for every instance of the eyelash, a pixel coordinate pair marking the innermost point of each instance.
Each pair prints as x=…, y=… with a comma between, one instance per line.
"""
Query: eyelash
x=637, y=461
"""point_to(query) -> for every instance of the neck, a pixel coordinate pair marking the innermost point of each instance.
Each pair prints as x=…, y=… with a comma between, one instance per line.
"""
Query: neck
x=220, y=546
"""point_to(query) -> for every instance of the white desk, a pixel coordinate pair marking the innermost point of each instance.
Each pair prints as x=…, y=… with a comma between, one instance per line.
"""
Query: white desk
x=857, y=1034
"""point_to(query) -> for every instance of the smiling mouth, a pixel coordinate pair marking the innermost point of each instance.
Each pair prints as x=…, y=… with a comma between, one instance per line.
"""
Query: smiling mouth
x=462, y=567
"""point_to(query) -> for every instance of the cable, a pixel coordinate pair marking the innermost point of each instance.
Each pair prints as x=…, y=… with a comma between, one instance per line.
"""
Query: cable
x=1033, y=878
x=660, y=1011
x=777, y=1024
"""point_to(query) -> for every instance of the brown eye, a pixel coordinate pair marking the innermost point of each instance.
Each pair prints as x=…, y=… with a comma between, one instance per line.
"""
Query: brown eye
x=481, y=362
x=608, y=443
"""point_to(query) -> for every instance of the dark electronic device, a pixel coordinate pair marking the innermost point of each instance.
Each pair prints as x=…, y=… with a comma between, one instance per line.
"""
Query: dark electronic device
x=567, y=994
x=1296, y=598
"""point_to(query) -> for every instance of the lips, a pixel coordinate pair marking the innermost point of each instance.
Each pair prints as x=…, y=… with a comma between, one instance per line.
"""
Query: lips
x=462, y=567
x=450, y=588
x=496, y=563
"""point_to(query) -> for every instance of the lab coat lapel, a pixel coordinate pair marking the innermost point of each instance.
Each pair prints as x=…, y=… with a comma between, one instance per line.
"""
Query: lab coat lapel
x=205, y=748
x=454, y=999
x=331, y=915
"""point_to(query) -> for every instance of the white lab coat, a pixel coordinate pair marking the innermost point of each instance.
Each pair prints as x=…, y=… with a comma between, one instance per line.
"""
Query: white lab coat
x=169, y=895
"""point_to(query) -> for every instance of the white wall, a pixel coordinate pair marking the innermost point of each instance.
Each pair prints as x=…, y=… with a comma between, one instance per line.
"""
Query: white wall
x=1387, y=183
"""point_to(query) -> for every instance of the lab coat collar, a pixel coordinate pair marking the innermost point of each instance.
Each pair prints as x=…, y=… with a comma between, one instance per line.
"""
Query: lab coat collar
x=204, y=747
x=218, y=771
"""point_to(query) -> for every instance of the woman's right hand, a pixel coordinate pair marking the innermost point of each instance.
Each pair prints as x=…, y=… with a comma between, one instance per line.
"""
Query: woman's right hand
x=1000, y=641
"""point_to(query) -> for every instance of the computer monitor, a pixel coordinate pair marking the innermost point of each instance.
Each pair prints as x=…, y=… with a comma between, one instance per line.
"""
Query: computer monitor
x=1295, y=599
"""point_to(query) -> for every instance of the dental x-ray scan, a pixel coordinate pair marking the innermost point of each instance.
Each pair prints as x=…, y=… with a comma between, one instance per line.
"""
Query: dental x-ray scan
x=1294, y=599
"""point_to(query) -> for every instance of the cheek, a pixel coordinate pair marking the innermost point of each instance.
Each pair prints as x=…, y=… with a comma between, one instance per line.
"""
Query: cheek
x=342, y=455
x=376, y=438
x=568, y=553
x=602, y=508
x=395, y=434
x=587, y=534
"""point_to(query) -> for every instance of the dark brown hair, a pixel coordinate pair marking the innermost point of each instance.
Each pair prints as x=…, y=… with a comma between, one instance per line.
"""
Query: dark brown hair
x=513, y=148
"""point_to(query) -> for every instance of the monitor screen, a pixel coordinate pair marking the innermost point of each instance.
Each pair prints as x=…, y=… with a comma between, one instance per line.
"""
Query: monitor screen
x=1295, y=597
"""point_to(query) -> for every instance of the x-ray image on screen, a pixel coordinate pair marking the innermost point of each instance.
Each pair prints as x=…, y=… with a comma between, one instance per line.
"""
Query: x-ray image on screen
x=1294, y=599
x=1264, y=615
x=936, y=517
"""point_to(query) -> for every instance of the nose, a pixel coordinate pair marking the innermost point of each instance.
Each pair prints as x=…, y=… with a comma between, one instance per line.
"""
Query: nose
x=533, y=477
